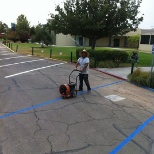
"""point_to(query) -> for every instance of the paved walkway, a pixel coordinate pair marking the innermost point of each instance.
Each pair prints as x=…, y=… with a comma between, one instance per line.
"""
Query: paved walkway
x=121, y=72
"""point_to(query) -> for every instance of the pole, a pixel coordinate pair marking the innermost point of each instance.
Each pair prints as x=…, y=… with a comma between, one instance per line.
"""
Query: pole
x=95, y=61
x=17, y=48
x=71, y=56
x=50, y=53
x=32, y=51
x=132, y=68
x=151, y=69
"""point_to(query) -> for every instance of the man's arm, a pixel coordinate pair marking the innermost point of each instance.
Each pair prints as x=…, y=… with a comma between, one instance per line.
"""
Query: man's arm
x=77, y=64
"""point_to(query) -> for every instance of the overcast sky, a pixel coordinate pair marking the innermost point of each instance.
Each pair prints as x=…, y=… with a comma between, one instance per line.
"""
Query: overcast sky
x=38, y=11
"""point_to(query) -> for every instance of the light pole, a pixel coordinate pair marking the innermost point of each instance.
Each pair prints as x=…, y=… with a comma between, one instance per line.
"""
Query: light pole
x=152, y=59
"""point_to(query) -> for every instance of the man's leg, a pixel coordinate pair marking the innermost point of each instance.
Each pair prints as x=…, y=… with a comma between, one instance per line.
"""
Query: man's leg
x=85, y=78
x=81, y=81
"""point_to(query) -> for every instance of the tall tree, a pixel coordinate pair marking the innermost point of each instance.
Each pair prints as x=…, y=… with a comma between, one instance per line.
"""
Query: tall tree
x=95, y=19
x=12, y=35
x=3, y=27
x=42, y=35
x=23, y=28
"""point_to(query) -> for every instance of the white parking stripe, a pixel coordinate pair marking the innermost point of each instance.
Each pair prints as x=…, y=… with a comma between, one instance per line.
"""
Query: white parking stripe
x=15, y=57
x=32, y=70
x=6, y=54
x=20, y=63
x=3, y=51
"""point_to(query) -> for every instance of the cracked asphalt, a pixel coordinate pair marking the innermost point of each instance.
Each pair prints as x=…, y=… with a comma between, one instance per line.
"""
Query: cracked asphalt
x=87, y=124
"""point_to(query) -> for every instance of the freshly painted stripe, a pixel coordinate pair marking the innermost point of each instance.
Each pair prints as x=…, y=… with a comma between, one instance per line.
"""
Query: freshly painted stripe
x=21, y=63
x=52, y=101
x=132, y=135
x=14, y=57
x=36, y=69
x=110, y=84
x=6, y=54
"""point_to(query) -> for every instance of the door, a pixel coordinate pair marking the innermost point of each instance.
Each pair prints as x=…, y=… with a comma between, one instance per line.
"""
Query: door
x=116, y=42
x=81, y=41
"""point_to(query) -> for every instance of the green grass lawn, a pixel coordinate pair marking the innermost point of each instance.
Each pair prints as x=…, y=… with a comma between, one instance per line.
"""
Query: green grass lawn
x=64, y=53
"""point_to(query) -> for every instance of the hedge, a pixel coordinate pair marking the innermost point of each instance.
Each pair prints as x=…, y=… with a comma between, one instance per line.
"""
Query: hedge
x=116, y=56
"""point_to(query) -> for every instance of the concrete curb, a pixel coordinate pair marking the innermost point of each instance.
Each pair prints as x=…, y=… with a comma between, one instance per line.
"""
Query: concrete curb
x=8, y=47
x=118, y=77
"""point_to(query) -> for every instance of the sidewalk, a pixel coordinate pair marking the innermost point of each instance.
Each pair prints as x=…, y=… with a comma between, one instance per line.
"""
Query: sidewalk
x=121, y=72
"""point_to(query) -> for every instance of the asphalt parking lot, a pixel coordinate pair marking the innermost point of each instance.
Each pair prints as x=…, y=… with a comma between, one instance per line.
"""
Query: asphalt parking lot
x=34, y=119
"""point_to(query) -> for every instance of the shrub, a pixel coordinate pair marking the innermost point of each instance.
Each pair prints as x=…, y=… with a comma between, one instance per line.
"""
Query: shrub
x=106, y=64
x=18, y=41
x=91, y=65
x=7, y=41
x=142, y=78
x=116, y=56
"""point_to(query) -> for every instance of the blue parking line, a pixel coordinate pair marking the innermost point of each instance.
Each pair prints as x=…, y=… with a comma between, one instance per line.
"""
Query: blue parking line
x=52, y=101
x=132, y=135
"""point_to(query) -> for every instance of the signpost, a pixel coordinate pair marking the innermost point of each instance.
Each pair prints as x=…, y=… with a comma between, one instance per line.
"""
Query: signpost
x=152, y=64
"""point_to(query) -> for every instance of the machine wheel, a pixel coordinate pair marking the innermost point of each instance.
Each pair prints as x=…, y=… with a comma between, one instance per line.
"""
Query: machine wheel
x=74, y=93
x=64, y=97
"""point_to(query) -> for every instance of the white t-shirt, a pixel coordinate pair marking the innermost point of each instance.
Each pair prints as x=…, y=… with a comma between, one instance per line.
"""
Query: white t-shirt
x=83, y=62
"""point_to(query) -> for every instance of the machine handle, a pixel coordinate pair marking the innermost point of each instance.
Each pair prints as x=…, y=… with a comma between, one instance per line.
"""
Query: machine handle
x=71, y=74
x=74, y=71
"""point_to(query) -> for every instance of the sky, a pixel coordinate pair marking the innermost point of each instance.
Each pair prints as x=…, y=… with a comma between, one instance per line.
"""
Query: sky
x=37, y=11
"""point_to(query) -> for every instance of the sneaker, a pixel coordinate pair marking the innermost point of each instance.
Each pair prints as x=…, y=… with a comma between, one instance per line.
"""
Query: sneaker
x=80, y=90
x=89, y=90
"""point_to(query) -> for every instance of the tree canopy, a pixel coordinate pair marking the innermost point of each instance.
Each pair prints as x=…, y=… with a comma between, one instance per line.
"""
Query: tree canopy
x=95, y=19
x=3, y=27
x=23, y=28
x=42, y=35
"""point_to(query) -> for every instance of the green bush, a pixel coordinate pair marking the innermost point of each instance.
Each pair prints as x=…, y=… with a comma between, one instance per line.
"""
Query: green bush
x=91, y=65
x=142, y=78
x=106, y=64
x=7, y=41
x=116, y=56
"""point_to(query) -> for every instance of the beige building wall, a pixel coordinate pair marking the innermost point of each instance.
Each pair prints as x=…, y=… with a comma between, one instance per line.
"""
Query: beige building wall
x=145, y=47
x=68, y=40
x=64, y=40
x=132, y=33
x=86, y=42
x=103, y=42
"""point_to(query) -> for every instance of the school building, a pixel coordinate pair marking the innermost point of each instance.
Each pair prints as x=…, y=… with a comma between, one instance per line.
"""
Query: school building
x=145, y=42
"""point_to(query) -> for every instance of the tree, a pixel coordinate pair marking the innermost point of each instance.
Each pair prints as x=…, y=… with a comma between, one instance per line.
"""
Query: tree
x=95, y=19
x=23, y=28
x=49, y=27
x=134, y=41
x=32, y=31
x=42, y=35
x=3, y=27
x=12, y=35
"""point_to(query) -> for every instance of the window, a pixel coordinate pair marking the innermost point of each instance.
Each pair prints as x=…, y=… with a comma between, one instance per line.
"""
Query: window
x=152, y=39
x=145, y=39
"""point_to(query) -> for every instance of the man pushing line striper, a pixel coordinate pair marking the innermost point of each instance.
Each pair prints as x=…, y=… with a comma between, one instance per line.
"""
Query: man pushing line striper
x=83, y=62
